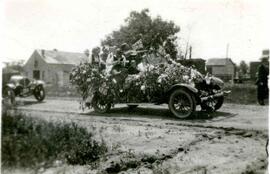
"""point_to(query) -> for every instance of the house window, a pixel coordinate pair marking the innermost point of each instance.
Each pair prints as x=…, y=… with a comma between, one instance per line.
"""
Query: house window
x=36, y=74
x=36, y=64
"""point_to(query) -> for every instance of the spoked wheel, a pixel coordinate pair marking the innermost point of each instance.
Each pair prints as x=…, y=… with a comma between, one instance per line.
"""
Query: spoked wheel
x=39, y=93
x=213, y=104
x=219, y=102
x=209, y=105
x=182, y=103
x=8, y=96
x=101, y=106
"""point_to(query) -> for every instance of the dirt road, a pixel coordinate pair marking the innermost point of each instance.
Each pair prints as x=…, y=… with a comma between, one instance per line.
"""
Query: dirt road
x=150, y=140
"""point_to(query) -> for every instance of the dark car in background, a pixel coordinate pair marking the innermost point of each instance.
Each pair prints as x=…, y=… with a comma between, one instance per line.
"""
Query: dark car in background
x=21, y=86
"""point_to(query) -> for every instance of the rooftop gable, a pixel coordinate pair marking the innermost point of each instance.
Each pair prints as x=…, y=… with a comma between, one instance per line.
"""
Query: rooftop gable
x=62, y=57
x=218, y=61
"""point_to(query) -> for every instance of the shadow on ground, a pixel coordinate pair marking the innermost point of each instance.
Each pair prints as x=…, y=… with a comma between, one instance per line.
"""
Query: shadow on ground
x=28, y=102
x=163, y=113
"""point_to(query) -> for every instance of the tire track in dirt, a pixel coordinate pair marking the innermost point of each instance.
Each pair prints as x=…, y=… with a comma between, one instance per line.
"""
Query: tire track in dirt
x=142, y=162
x=153, y=163
x=231, y=130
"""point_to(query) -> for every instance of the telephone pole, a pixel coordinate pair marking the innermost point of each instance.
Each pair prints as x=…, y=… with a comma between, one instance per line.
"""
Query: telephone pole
x=227, y=50
x=190, y=52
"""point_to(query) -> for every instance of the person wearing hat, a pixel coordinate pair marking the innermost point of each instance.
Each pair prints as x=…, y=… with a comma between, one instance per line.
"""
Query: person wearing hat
x=262, y=81
x=95, y=59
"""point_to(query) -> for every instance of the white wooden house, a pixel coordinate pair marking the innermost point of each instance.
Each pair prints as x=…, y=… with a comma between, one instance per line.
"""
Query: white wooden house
x=52, y=66
x=223, y=68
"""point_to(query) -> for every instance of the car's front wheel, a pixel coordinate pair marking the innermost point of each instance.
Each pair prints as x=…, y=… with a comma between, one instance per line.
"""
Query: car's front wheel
x=132, y=106
x=213, y=104
x=182, y=103
x=39, y=93
x=100, y=105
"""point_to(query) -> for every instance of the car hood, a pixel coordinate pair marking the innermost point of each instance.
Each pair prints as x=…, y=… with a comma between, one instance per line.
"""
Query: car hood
x=217, y=81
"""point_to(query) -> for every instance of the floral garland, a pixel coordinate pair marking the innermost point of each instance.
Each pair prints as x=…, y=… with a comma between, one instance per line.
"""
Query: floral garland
x=156, y=79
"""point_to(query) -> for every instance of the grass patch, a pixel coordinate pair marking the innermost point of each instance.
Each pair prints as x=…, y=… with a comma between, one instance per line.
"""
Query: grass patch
x=241, y=93
x=28, y=142
x=65, y=91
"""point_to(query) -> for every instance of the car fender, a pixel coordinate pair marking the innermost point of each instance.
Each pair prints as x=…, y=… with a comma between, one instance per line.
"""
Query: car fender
x=10, y=85
x=183, y=85
x=188, y=87
x=40, y=82
x=217, y=81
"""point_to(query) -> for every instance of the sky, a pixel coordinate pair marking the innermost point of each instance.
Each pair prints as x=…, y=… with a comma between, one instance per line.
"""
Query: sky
x=210, y=26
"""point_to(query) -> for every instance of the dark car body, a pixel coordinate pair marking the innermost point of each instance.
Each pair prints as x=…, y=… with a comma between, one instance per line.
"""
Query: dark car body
x=21, y=86
x=181, y=98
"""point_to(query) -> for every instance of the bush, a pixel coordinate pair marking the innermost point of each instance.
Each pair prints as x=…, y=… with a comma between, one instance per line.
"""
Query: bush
x=241, y=93
x=27, y=142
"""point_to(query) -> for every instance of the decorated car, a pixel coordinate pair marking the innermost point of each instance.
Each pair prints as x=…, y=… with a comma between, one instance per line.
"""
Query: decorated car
x=182, y=88
x=20, y=86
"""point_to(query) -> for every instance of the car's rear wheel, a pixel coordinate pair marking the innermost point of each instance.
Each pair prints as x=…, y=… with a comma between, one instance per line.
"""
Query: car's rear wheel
x=100, y=106
x=39, y=93
x=8, y=96
x=182, y=103
x=132, y=106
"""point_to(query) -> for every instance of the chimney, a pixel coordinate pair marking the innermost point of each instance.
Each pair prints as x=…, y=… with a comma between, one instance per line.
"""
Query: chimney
x=42, y=52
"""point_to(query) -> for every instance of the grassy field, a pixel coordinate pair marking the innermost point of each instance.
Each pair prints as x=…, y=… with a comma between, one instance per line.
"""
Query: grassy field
x=28, y=142
x=241, y=93
x=54, y=91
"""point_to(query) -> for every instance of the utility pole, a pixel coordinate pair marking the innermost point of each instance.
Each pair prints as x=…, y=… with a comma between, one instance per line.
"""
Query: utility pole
x=190, y=52
x=227, y=50
x=227, y=56
x=186, y=52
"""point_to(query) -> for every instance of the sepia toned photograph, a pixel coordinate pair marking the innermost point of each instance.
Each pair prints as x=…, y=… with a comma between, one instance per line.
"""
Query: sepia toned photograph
x=134, y=87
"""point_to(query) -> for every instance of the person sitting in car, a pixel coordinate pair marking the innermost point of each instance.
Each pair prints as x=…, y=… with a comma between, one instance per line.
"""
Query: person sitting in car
x=132, y=69
x=118, y=71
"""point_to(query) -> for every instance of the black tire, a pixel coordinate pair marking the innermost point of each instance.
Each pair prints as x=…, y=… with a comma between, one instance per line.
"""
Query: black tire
x=185, y=101
x=219, y=102
x=39, y=93
x=213, y=104
x=132, y=106
x=100, y=106
x=8, y=96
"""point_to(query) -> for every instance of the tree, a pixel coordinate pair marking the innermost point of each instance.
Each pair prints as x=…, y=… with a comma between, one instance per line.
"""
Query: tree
x=153, y=33
x=15, y=65
x=243, y=67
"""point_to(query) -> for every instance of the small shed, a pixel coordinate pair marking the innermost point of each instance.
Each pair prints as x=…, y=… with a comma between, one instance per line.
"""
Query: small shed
x=223, y=68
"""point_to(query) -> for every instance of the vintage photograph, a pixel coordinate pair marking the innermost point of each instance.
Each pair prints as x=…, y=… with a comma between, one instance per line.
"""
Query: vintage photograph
x=134, y=87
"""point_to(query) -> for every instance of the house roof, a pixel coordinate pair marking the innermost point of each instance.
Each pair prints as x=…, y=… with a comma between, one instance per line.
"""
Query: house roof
x=62, y=57
x=218, y=61
x=198, y=59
